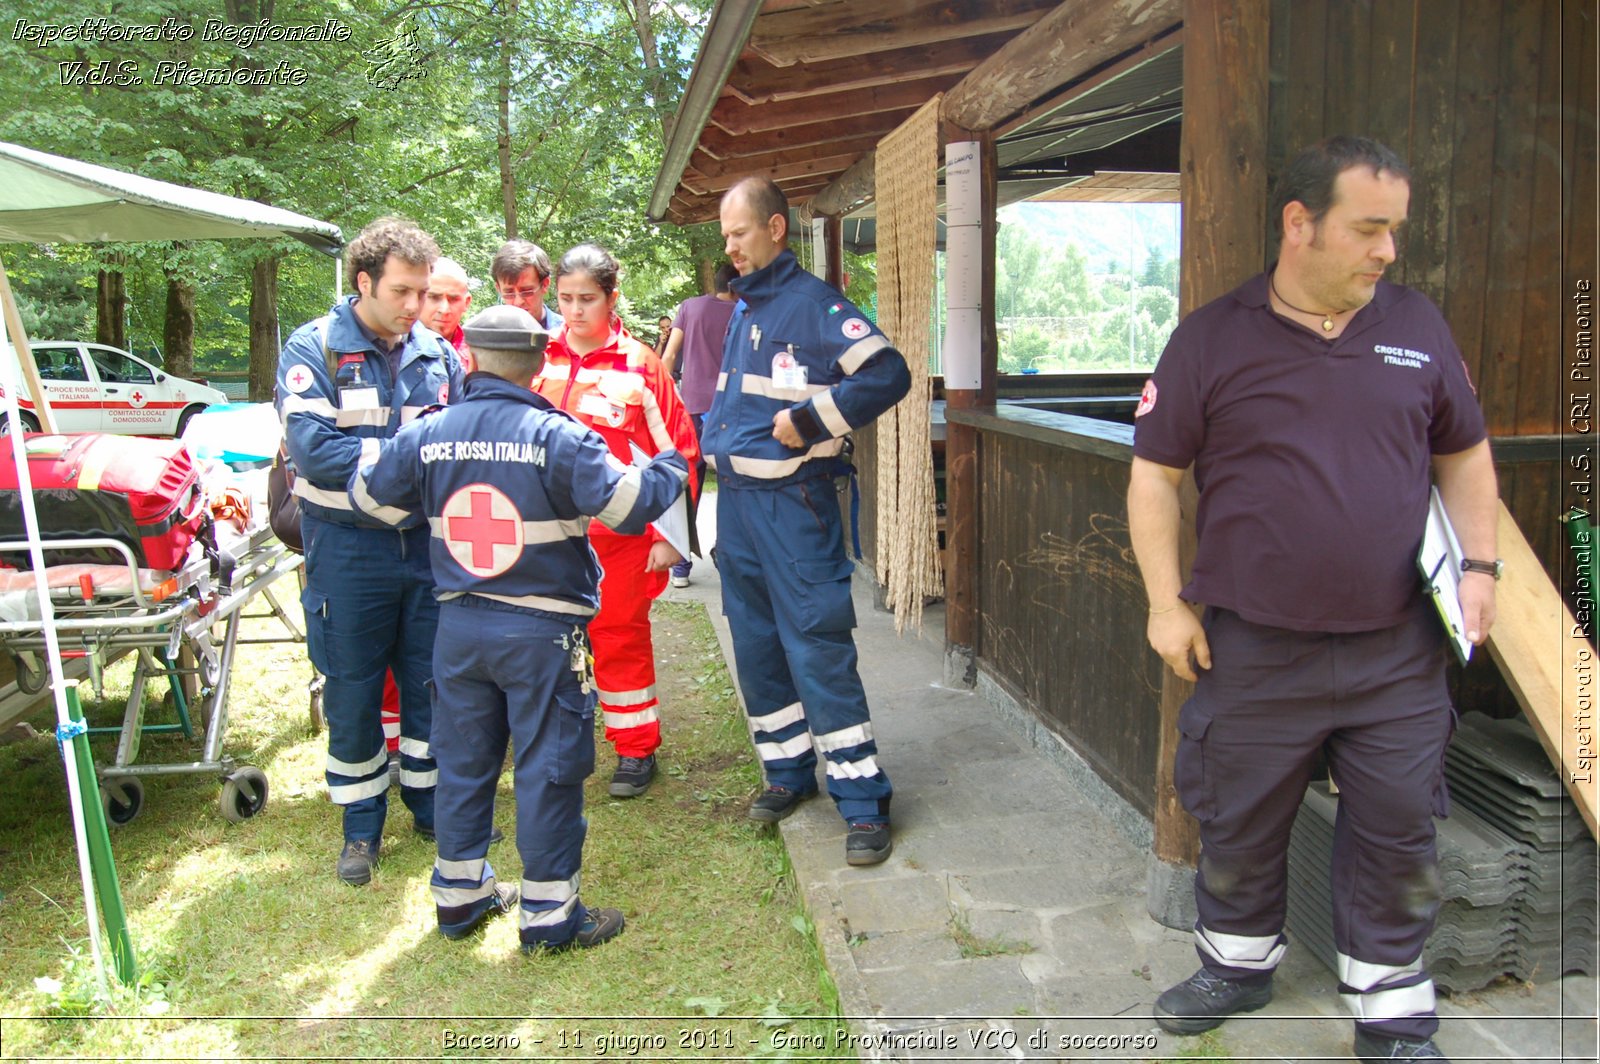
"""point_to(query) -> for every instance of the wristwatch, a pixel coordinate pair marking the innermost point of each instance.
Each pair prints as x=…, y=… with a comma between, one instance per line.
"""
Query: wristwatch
x=1495, y=568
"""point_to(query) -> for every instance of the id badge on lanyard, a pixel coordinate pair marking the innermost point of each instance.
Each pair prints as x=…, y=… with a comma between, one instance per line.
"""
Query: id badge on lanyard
x=358, y=394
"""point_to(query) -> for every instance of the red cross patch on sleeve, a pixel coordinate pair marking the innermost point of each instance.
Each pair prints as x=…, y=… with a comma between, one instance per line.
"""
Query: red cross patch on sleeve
x=1147, y=399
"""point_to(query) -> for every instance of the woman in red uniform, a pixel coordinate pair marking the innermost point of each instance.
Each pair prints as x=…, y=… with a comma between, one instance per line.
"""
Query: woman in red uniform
x=616, y=385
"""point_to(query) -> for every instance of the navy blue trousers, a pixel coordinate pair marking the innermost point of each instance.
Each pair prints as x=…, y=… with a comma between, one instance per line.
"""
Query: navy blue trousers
x=786, y=594
x=506, y=676
x=1376, y=704
x=369, y=607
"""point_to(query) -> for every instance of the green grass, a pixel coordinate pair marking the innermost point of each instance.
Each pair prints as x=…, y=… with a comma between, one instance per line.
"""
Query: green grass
x=250, y=947
x=971, y=944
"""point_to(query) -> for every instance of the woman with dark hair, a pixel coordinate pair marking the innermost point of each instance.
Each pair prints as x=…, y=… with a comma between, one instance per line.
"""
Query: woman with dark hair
x=616, y=385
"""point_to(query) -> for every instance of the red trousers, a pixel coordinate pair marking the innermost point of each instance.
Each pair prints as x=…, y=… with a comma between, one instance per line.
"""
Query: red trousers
x=624, y=657
x=391, y=713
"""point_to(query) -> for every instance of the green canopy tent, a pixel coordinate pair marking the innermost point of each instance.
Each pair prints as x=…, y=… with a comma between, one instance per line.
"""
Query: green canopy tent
x=52, y=199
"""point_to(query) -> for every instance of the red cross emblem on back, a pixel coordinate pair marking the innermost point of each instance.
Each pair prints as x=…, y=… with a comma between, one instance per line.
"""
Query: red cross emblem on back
x=482, y=530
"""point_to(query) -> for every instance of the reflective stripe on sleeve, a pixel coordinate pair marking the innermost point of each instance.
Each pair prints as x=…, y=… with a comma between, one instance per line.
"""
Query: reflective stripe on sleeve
x=828, y=412
x=657, y=424
x=389, y=515
x=773, y=468
x=302, y=404
x=622, y=499
x=755, y=384
x=333, y=500
x=856, y=355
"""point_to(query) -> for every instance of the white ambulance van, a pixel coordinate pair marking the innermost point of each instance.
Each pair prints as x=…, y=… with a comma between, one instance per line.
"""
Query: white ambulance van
x=94, y=388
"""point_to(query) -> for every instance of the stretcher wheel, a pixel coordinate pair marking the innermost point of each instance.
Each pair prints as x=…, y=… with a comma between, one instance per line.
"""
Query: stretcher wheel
x=244, y=794
x=30, y=676
x=123, y=798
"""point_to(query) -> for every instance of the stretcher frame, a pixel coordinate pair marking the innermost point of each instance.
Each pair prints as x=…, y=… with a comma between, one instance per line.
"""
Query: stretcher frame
x=187, y=639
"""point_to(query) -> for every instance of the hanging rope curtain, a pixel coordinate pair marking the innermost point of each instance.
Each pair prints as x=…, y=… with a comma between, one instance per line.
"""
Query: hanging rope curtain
x=906, y=178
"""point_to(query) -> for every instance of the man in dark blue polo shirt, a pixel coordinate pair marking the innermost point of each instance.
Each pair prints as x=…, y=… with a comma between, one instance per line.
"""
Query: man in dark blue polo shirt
x=1313, y=402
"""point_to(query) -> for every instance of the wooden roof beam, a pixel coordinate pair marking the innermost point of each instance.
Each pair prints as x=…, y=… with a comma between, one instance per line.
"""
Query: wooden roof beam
x=826, y=167
x=734, y=116
x=1061, y=47
x=726, y=146
x=835, y=31
x=849, y=190
x=703, y=163
x=755, y=81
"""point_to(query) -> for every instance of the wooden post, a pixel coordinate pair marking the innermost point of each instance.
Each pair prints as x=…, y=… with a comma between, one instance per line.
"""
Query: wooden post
x=833, y=240
x=961, y=441
x=1224, y=195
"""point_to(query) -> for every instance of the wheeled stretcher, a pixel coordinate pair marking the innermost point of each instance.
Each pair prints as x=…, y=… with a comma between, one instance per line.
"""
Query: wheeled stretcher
x=179, y=620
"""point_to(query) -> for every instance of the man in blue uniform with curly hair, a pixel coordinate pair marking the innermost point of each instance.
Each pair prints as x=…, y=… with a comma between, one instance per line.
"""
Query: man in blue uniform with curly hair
x=801, y=368
x=346, y=382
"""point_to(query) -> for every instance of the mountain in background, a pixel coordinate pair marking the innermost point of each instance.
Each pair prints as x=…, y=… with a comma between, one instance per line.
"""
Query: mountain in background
x=1109, y=234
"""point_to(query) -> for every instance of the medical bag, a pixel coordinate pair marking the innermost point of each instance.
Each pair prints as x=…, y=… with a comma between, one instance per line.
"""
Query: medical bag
x=137, y=490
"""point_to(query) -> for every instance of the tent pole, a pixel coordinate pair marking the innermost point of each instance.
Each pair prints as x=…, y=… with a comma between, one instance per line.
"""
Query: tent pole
x=69, y=733
x=30, y=370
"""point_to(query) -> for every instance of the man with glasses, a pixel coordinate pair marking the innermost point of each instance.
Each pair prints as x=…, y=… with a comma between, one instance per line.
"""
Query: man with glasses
x=521, y=272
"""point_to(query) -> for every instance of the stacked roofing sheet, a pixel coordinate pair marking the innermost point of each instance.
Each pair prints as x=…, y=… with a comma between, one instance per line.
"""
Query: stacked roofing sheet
x=1517, y=866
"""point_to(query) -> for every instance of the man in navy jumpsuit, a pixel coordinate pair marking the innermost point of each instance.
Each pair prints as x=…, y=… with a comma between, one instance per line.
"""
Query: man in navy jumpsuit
x=1313, y=402
x=346, y=382
x=801, y=368
x=507, y=485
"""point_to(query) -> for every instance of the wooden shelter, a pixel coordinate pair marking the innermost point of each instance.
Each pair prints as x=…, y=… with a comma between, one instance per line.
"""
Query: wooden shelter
x=1492, y=102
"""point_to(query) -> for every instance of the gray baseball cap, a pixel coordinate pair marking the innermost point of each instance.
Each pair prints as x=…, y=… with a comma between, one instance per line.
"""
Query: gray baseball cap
x=505, y=328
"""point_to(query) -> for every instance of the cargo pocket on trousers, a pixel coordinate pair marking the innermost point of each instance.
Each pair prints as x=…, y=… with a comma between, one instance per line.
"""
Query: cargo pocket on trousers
x=823, y=594
x=315, y=606
x=572, y=759
x=1190, y=776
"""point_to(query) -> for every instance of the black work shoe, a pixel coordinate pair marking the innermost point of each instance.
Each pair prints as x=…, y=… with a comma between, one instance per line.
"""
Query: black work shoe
x=633, y=776
x=495, y=834
x=1203, y=1001
x=775, y=803
x=600, y=925
x=503, y=900
x=867, y=844
x=357, y=860
x=1376, y=1047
